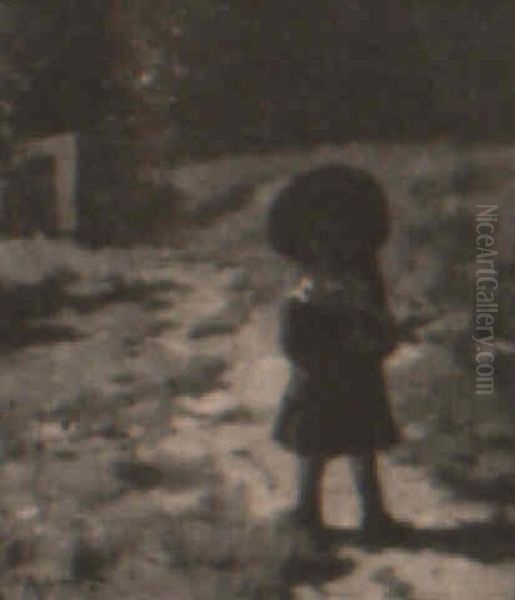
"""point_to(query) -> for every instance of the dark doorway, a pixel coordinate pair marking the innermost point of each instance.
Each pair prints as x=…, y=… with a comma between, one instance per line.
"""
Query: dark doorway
x=31, y=201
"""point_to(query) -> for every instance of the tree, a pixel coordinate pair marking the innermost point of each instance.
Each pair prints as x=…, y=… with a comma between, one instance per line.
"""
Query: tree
x=273, y=73
x=87, y=66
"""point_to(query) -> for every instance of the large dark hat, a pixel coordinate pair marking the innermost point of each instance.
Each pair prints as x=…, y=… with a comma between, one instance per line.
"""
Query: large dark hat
x=332, y=197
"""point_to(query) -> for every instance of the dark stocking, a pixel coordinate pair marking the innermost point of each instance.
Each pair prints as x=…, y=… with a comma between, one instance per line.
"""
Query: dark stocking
x=364, y=470
x=309, y=479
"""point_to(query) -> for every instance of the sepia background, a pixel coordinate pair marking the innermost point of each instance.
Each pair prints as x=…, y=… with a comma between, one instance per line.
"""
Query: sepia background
x=141, y=142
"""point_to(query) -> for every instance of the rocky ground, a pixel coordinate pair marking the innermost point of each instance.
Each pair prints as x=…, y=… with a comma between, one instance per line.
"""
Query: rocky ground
x=137, y=393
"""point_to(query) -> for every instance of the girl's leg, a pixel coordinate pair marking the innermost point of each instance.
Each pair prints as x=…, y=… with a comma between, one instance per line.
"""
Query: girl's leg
x=366, y=479
x=309, y=482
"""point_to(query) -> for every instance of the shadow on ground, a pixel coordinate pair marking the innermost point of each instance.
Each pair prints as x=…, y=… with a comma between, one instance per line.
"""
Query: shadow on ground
x=24, y=307
x=485, y=542
x=298, y=570
x=21, y=335
x=499, y=488
x=145, y=476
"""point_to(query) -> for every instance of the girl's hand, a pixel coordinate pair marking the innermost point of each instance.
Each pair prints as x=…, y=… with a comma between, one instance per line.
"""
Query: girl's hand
x=303, y=291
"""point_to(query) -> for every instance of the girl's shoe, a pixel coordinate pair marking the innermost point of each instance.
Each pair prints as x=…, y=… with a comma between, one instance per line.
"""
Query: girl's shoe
x=383, y=527
x=307, y=530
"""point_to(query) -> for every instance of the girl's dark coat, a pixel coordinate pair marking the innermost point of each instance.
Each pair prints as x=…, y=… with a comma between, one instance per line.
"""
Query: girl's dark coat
x=336, y=401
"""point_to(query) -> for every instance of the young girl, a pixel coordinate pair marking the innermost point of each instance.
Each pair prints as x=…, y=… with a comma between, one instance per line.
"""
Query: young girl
x=335, y=331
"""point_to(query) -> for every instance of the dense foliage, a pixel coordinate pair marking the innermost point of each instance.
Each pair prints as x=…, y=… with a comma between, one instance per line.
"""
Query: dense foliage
x=229, y=75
